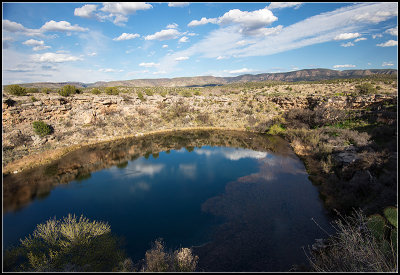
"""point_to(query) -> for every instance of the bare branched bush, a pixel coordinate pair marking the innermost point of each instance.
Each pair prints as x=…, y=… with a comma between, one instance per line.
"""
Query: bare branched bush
x=142, y=111
x=158, y=260
x=353, y=249
x=203, y=118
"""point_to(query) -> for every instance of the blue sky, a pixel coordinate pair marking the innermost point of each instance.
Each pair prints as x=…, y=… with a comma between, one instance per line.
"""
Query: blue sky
x=89, y=42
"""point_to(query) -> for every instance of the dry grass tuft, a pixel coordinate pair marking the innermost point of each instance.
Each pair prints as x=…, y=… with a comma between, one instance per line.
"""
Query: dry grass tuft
x=353, y=249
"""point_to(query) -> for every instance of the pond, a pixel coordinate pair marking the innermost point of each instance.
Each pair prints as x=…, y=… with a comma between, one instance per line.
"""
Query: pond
x=241, y=200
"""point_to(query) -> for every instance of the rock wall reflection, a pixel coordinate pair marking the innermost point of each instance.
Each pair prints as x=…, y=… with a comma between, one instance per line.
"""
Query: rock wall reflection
x=20, y=189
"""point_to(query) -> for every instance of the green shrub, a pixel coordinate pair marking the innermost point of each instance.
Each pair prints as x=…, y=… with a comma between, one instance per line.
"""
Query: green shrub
x=149, y=92
x=95, y=91
x=366, y=89
x=186, y=93
x=15, y=90
x=41, y=128
x=46, y=90
x=276, y=129
x=288, y=88
x=112, y=91
x=67, y=245
x=140, y=96
x=32, y=90
x=33, y=99
x=68, y=90
x=391, y=215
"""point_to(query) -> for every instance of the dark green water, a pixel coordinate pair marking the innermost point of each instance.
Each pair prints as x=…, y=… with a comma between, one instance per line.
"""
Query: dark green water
x=240, y=209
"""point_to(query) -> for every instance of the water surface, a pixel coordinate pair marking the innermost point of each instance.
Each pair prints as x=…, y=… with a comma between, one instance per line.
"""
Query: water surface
x=242, y=201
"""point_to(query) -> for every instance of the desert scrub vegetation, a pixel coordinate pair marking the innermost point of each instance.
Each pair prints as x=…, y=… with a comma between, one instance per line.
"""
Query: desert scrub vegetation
x=32, y=90
x=112, y=91
x=68, y=90
x=141, y=96
x=46, y=91
x=178, y=109
x=360, y=244
x=159, y=260
x=15, y=90
x=42, y=129
x=148, y=92
x=95, y=91
x=74, y=244
x=69, y=244
x=186, y=93
x=366, y=89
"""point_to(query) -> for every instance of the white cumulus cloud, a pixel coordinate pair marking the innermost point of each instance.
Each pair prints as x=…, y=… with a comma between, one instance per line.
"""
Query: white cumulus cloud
x=163, y=35
x=172, y=26
x=120, y=10
x=61, y=26
x=33, y=42
x=348, y=44
x=249, y=22
x=240, y=71
x=374, y=36
x=54, y=57
x=148, y=65
x=40, y=48
x=392, y=31
x=85, y=11
x=181, y=58
x=12, y=26
x=38, y=45
x=202, y=21
x=282, y=5
x=124, y=8
x=178, y=4
x=109, y=70
x=345, y=36
x=360, y=39
x=387, y=64
x=183, y=39
x=344, y=66
x=126, y=36
x=389, y=43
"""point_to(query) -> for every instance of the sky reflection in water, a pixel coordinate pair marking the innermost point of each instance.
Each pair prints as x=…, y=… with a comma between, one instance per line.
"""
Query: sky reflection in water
x=243, y=210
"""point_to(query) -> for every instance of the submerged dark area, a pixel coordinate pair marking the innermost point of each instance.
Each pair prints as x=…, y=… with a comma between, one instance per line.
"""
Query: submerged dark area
x=242, y=201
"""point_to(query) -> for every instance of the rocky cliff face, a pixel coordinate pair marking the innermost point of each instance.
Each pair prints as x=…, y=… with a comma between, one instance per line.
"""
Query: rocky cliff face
x=301, y=75
x=85, y=118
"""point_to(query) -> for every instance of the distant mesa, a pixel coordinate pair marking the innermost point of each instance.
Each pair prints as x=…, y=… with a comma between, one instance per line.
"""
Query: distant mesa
x=204, y=81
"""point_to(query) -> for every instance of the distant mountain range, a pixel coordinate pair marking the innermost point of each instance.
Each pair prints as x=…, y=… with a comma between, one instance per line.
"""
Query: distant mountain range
x=301, y=75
